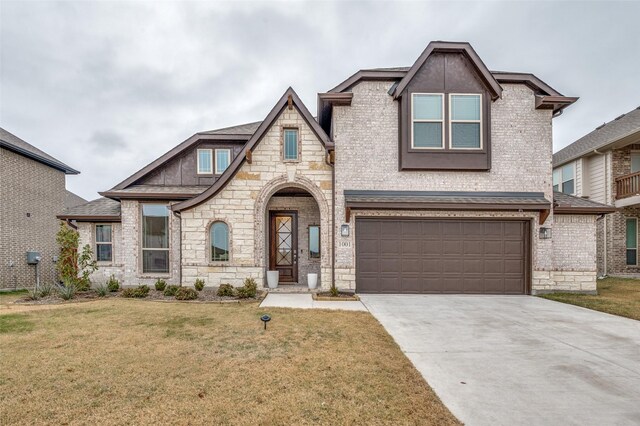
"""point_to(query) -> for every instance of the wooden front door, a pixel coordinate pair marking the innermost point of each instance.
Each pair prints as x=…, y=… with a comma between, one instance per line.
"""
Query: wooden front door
x=283, y=245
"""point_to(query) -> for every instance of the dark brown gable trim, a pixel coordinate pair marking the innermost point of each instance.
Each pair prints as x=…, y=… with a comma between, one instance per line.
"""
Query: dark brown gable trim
x=442, y=46
x=368, y=76
x=95, y=218
x=237, y=162
x=584, y=210
x=173, y=153
x=117, y=195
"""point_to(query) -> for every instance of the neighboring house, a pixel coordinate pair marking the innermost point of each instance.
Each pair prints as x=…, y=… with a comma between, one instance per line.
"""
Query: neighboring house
x=604, y=166
x=434, y=178
x=32, y=192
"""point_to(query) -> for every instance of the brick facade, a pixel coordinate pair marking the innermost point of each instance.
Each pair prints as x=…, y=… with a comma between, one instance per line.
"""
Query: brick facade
x=31, y=194
x=87, y=232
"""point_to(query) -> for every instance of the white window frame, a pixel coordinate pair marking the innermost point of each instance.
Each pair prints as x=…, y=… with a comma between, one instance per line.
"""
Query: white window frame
x=217, y=169
x=95, y=233
x=198, y=160
x=442, y=121
x=561, y=183
x=451, y=121
x=626, y=219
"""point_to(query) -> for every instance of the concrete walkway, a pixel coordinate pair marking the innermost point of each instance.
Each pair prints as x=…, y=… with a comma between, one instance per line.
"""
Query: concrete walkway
x=519, y=360
x=305, y=301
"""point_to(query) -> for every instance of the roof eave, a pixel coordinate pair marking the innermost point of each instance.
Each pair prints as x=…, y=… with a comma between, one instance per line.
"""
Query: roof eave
x=116, y=195
x=91, y=218
x=56, y=165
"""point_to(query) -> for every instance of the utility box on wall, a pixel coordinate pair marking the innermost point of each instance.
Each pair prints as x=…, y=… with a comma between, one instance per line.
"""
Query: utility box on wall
x=33, y=257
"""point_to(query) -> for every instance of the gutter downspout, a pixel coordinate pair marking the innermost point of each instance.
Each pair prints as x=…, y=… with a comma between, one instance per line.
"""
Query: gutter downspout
x=179, y=216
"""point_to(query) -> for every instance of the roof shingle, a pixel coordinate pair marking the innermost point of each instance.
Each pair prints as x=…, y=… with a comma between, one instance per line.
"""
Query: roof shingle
x=101, y=208
x=13, y=143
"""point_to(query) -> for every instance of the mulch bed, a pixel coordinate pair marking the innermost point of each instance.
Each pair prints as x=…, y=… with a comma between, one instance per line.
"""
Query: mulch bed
x=327, y=296
x=204, y=296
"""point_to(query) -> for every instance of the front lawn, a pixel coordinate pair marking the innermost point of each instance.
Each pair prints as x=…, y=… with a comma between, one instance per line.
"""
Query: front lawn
x=121, y=361
x=617, y=296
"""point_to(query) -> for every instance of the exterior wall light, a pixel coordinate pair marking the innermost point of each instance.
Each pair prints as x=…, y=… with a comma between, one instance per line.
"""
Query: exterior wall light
x=545, y=233
x=344, y=230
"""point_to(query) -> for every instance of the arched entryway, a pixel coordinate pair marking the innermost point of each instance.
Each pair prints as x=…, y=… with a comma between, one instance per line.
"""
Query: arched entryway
x=291, y=235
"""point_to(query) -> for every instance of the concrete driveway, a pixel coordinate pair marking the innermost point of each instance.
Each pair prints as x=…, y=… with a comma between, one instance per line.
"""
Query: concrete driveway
x=519, y=360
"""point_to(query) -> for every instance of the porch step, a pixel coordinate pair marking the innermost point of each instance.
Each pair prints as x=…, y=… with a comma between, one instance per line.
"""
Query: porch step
x=292, y=288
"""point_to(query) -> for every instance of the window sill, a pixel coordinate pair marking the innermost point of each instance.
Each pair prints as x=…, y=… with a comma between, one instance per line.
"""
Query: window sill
x=219, y=263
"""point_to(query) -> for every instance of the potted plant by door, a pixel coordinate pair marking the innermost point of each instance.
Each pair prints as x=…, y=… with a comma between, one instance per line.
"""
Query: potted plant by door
x=272, y=278
x=312, y=280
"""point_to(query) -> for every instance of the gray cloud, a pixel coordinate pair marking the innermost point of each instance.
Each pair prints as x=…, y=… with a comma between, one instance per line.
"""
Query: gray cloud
x=109, y=86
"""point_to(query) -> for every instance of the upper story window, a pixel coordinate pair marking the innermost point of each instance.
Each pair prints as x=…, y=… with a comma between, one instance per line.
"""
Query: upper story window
x=155, y=238
x=564, y=179
x=465, y=121
x=290, y=148
x=635, y=162
x=104, y=243
x=205, y=164
x=427, y=130
x=223, y=158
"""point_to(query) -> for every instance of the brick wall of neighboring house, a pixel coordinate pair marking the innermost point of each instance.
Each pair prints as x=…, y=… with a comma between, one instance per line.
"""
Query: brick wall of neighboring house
x=131, y=212
x=105, y=269
x=31, y=194
x=242, y=204
x=366, y=138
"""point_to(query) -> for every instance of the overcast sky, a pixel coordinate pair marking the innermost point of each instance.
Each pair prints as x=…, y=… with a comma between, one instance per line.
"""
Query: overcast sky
x=107, y=87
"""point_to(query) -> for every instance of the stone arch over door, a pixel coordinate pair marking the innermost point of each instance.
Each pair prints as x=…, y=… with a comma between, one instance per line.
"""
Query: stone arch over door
x=260, y=214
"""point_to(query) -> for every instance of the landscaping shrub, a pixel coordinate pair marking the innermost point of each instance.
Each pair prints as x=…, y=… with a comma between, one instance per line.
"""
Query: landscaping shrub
x=137, y=292
x=102, y=290
x=248, y=290
x=333, y=291
x=33, y=294
x=113, y=284
x=160, y=285
x=68, y=291
x=83, y=284
x=199, y=285
x=226, y=290
x=171, y=290
x=186, y=293
x=45, y=290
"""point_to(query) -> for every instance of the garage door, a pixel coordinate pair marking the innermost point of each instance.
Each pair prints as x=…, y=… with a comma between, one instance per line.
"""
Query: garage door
x=441, y=256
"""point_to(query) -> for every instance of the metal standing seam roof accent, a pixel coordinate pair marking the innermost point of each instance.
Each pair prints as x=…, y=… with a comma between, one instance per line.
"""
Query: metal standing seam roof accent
x=101, y=208
x=13, y=143
x=447, y=197
x=606, y=134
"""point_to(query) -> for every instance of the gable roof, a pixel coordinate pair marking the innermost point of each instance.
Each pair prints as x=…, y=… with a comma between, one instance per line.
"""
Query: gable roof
x=290, y=97
x=241, y=129
x=625, y=126
x=99, y=210
x=445, y=46
x=72, y=200
x=13, y=143
x=236, y=133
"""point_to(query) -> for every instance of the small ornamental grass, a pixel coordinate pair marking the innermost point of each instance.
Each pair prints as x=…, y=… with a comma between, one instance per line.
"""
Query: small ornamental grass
x=226, y=290
x=45, y=290
x=67, y=291
x=186, y=293
x=248, y=290
x=199, y=285
x=138, y=292
x=160, y=285
x=171, y=290
x=102, y=290
x=113, y=284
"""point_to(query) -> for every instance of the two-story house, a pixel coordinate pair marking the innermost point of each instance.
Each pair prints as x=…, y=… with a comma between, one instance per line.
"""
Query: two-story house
x=604, y=166
x=32, y=193
x=434, y=178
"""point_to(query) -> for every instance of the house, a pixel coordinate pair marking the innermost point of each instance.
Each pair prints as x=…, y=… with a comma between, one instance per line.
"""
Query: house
x=435, y=178
x=604, y=166
x=32, y=192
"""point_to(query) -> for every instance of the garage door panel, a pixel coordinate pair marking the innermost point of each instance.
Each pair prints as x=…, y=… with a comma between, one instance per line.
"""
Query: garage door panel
x=440, y=256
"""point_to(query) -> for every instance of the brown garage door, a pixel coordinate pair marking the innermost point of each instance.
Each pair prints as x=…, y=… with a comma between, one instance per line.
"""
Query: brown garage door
x=441, y=256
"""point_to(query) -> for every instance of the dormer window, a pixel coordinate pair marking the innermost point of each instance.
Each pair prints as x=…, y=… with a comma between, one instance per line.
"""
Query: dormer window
x=223, y=158
x=205, y=166
x=466, y=121
x=428, y=119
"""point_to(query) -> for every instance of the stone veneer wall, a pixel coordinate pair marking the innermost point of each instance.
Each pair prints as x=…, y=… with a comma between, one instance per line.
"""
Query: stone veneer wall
x=308, y=214
x=28, y=187
x=574, y=256
x=366, y=138
x=243, y=202
x=87, y=231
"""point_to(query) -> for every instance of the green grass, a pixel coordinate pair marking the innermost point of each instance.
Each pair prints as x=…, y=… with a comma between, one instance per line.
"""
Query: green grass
x=15, y=323
x=617, y=296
